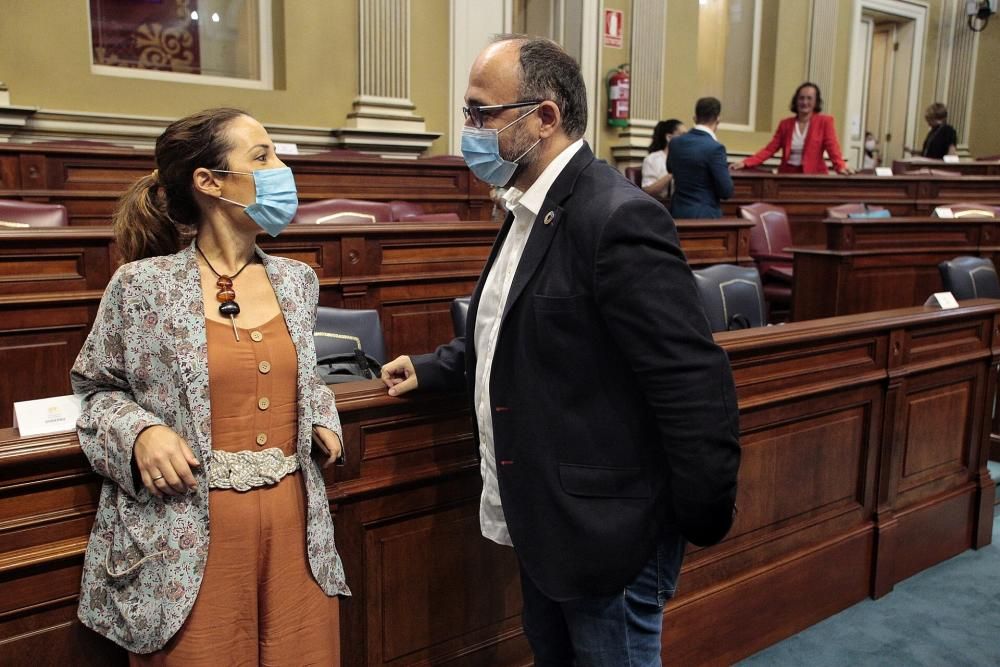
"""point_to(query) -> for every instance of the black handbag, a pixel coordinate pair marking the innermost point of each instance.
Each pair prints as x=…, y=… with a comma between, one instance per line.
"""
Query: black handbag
x=348, y=367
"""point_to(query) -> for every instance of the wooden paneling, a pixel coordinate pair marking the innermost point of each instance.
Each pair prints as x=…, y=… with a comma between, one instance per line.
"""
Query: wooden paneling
x=876, y=264
x=806, y=197
x=51, y=281
x=88, y=180
x=864, y=461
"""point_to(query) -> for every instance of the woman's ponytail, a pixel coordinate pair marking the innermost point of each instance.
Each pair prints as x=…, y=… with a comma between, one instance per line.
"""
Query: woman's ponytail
x=142, y=226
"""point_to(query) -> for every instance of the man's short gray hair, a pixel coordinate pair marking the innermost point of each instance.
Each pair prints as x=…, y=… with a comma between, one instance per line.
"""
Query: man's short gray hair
x=549, y=73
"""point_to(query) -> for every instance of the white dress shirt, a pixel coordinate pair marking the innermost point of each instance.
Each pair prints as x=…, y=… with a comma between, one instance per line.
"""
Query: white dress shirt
x=706, y=129
x=798, y=143
x=654, y=167
x=525, y=207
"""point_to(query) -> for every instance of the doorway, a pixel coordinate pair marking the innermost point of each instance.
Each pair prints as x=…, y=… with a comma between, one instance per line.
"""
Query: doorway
x=886, y=66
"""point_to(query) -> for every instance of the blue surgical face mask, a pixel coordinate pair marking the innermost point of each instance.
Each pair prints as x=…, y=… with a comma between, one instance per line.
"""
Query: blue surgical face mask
x=277, y=199
x=481, y=150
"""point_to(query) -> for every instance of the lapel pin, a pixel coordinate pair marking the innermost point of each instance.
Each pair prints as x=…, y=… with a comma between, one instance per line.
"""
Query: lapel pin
x=549, y=217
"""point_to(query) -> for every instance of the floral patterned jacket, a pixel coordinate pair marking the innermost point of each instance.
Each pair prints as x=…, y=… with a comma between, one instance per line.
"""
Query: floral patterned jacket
x=145, y=363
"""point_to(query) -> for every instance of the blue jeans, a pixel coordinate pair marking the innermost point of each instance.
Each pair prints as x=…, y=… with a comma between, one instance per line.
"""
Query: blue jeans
x=617, y=630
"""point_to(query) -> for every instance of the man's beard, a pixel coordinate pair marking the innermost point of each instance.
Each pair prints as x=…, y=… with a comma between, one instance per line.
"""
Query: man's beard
x=520, y=143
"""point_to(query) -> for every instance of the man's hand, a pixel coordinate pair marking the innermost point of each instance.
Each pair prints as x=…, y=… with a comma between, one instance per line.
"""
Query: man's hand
x=328, y=443
x=399, y=376
x=164, y=461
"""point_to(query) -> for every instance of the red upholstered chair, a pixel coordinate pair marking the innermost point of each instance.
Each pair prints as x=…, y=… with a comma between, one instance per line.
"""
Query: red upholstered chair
x=769, y=237
x=431, y=217
x=973, y=210
x=351, y=211
x=20, y=213
x=401, y=209
x=634, y=174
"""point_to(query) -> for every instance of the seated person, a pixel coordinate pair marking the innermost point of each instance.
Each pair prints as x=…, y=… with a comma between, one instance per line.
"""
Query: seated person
x=655, y=177
x=803, y=138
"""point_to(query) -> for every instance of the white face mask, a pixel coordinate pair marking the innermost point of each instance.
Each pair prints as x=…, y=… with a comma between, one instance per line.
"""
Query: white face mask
x=870, y=145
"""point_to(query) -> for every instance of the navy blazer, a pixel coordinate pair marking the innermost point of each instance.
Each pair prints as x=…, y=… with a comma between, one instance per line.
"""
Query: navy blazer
x=614, y=411
x=701, y=175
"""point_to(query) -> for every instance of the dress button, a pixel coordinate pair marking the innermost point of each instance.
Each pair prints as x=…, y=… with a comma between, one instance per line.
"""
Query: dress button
x=264, y=403
x=264, y=367
x=262, y=439
x=256, y=336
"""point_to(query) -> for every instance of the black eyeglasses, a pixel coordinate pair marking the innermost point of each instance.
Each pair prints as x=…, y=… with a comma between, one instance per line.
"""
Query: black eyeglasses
x=476, y=113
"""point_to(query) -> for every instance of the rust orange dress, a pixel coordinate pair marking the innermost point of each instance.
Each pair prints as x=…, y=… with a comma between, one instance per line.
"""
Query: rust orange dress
x=258, y=602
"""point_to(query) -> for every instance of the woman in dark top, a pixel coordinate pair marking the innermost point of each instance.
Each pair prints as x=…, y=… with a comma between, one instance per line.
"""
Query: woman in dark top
x=942, y=138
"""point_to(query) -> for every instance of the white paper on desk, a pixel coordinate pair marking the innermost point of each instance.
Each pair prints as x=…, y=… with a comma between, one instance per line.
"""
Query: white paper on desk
x=883, y=171
x=47, y=415
x=943, y=212
x=942, y=300
x=951, y=159
x=286, y=148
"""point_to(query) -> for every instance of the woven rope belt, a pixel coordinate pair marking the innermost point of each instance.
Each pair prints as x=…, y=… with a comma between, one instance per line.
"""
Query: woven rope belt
x=247, y=469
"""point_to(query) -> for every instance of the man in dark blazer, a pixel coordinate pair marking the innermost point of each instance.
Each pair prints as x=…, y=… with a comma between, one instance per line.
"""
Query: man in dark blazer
x=698, y=162
x=605, y=414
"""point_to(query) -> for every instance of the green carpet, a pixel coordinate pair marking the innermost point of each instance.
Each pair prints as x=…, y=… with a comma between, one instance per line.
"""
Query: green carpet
x=946, y=615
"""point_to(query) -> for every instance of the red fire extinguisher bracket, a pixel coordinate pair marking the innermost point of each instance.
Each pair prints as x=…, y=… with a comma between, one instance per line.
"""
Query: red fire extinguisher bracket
x=619, y=94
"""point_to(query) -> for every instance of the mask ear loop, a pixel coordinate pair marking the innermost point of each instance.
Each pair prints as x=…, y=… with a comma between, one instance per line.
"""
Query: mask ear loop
x=524, y=115
x=227, y=171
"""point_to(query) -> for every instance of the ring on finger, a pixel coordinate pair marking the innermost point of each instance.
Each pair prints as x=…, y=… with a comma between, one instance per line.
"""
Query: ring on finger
x=156, y=478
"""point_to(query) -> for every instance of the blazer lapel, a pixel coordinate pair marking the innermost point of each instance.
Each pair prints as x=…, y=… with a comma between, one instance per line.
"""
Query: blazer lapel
x=191, y=345
x=543, y=230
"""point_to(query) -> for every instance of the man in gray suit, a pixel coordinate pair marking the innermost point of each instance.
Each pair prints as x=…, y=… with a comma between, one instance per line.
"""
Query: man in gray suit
x=698, y=162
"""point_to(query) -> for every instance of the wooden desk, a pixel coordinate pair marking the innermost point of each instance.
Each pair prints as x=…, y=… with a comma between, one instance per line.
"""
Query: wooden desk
x=806, y=198
x=863, y=463
x=965, y=167
x=88, y=180
x=879, y=263
x=52, y=280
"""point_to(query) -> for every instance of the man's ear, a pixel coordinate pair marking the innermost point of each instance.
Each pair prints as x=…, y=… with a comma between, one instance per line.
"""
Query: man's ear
x=548, y=112
x=207, y=182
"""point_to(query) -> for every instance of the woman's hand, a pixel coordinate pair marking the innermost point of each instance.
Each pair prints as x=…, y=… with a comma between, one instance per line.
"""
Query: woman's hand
x=164, y=461
x=328, y=443
x=736, y=166
x=846, y=171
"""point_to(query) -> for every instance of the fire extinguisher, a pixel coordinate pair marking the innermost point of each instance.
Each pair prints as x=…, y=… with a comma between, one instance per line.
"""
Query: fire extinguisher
x=618, y=96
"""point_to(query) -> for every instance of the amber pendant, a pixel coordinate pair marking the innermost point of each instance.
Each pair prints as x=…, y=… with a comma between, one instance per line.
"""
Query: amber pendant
x=227, y=298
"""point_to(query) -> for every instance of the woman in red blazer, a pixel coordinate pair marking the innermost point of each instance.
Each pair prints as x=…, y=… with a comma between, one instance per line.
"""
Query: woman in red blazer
x=803, y=138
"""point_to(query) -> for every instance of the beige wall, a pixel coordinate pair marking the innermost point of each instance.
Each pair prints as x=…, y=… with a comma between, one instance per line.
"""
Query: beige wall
x=429, y=62
x=984, y=128
x=45, y=62
x=606, y=135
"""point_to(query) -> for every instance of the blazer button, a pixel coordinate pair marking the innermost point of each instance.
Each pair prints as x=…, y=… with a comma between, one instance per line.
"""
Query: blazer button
x=264, y=367
x=262, y=439
x=264, y=403
x=256, y=336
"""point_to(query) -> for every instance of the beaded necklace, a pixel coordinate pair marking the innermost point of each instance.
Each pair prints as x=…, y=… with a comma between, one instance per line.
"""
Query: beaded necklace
x=227, y=295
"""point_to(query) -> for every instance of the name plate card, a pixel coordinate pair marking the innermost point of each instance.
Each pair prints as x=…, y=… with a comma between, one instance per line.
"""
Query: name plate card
x=286, y=148
x=47, y=415
x=951, y=159
x=942, y=300
x=883, y=171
